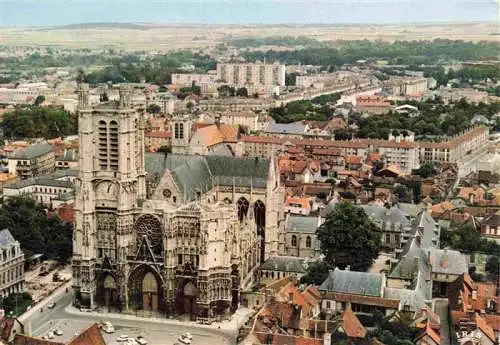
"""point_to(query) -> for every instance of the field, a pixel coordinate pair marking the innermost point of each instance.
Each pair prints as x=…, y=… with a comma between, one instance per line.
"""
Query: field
x=133, y=37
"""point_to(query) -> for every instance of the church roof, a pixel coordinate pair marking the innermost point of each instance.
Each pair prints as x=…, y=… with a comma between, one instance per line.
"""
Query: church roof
x=302, y=224
x=290, y=264
x=352, y=282
x=193, y=173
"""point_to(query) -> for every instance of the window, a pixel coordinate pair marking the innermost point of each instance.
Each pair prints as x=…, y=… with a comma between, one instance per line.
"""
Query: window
x=387, y=238
x=328, y=305
x=308, y=242
x=174, y=199
x=179, y=259
x=294, y=241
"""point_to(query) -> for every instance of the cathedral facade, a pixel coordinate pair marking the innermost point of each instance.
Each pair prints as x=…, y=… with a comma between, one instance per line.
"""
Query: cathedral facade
x=170, y=234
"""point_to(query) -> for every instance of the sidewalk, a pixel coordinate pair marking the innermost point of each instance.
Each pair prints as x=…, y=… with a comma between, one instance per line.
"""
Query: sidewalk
x=228, y=328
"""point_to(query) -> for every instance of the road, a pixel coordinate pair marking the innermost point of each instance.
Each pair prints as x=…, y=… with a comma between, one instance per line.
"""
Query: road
x=156, y=332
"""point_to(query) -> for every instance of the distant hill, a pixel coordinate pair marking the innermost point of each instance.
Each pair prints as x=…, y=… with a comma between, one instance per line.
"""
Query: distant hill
x=126, y=26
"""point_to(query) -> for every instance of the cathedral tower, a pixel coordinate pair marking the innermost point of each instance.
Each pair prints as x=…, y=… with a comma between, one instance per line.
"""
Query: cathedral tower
x=110, y=182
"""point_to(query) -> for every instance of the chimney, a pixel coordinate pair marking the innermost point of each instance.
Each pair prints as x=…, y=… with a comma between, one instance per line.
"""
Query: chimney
x=217, y=120
x=330, y=280
x=348, y=268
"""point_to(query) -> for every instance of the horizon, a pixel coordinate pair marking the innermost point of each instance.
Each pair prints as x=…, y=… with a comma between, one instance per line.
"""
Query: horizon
x=56, y=13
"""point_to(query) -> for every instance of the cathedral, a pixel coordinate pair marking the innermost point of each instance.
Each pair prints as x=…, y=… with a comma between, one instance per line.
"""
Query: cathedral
x=169, y=234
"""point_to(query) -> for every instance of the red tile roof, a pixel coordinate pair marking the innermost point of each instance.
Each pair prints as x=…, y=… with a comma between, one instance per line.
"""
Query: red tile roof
x=91, y=336
x=352, y=326
x=21, y=339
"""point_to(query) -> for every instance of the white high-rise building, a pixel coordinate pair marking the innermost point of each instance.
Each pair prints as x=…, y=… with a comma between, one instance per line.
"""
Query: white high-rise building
x=237, y=74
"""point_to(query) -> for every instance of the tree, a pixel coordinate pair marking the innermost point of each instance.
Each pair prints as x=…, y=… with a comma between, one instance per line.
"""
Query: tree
x=39, y=122
x=226, y=91
x=426, y=170
x=242, y=92
x=316, y=273
x=39, y=100
x=29, y=224
x=492, y=267
x=16, y=303
x=349, y=237
x=154, y=109
x=402, y=192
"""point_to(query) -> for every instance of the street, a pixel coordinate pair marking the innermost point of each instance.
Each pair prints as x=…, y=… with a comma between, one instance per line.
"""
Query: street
x=155, y=332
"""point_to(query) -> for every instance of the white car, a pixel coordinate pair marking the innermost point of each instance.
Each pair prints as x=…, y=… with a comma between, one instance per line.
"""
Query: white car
x=51, y=305
x=122, y=338
x=58, y=332
x=108, y=327
x=50, y=335
x=140, y=340
x=188, y=335
x=184, y=340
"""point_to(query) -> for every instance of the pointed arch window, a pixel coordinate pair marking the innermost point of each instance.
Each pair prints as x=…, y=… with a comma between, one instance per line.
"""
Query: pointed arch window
x=308, y=242
x=294, y=241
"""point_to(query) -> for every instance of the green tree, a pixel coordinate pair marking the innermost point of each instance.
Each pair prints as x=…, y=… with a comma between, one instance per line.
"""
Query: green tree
x=242, y=92
x=39, y=100
x=226, y=91
x=16, y=303
x=349, y=237
x=154, y=109
x=316, y=273
x=426, y=170
x=492, y=267
x=39, y=122
x=402, y=192
x=29, y=224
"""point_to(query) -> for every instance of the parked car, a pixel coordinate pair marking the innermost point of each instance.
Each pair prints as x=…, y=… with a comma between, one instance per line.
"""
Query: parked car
x=122, y=338
x=50, y=335
x=140, y=340
x=51, y=305
x=184, y=340
x=107, y=327
x=188, y=335
x=58, y=332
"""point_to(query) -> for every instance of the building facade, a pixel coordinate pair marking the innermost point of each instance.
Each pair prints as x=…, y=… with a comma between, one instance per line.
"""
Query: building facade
x=251, y=74
x=33, y=161
x=166, y=234
x=11, y=265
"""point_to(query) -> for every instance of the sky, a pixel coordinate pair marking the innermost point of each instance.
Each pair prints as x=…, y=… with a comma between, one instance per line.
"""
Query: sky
x=64, y=12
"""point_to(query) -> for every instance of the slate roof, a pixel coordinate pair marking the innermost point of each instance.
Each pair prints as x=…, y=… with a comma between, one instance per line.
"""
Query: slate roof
x=33, y=151
x=40, y=181
x=290, y=264
x=358, y=283
x=6, y=238
x=387, y=218
x=193, y=173
x=286, y=128
x=307, y=225
x=446, y=261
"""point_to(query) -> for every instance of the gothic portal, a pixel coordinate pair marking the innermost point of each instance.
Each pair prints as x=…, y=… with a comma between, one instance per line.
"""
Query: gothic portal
x=166, y=234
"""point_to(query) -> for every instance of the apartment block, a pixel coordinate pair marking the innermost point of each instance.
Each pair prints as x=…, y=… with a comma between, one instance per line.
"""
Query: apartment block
x=35, y=160
x=251, y=74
